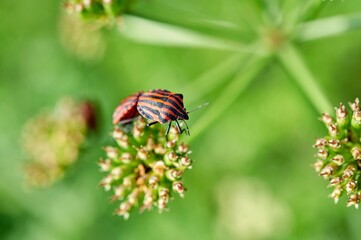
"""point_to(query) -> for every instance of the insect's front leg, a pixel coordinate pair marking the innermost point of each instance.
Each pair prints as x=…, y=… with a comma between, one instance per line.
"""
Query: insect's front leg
x=180, y=130
x=167, y=131
x=151, y=123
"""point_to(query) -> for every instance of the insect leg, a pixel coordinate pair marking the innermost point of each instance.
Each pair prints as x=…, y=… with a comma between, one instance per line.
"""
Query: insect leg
x=187, y=128
x=179, y=127
x=167, y=131
x=152, y=123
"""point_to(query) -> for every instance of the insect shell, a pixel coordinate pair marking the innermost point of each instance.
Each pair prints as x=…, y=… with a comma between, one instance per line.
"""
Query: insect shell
x=159, y=106
x=127, y=110
x=162, y=106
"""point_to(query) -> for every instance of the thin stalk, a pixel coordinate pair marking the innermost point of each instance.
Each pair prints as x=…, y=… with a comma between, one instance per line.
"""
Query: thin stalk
x=189, y=12
x=295, y=65
x=297, y=12
x=226, y=31
x=153, y=32
x=312, y=9
x=328, y=27
x=229, y=95
x=211, y=79
x=308, y=9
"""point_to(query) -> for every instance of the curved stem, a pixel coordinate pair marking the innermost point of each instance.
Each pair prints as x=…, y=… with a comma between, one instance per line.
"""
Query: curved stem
x=312, y=9
x=227, y=30
x=328, y=27
x=164, y=34
x=229, y=95
x=295, y=65
x=213, y=78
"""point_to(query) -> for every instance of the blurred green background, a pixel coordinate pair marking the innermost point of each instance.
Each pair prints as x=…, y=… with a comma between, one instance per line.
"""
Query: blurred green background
x=252, y=176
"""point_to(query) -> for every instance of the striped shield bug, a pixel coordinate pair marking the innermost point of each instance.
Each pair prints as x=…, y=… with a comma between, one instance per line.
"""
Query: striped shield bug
x=162, y=106
x=127, y=110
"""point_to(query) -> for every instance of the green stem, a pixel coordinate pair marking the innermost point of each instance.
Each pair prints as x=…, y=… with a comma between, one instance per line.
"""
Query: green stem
x=164, y=15
x=211, y=79
x=297, y=13
x=328, y=27
x=154, y=32
x=295, y=65
x=229, y=95
x=312, y=9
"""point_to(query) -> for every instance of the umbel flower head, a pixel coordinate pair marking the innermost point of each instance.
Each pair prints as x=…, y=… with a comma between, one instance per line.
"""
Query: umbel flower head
x=108, y=10
x=82, y=38
x=51, y=140
x=144, y=169
x=339, y=153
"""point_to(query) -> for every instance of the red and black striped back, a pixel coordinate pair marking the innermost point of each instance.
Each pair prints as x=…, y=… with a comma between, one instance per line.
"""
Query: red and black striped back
x=127, y=108
x=162, y=106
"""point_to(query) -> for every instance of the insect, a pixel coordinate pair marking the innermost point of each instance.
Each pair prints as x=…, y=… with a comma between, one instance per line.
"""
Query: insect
x=162, y=106
x=127, y=110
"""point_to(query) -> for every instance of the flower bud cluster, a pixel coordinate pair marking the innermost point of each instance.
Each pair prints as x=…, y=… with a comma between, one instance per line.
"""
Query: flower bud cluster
x=51, y=141
x=339, y=153
x=144, y=168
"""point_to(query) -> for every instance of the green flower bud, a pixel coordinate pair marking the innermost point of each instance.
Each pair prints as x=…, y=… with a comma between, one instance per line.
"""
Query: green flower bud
x=339, y=153
x=145, y=172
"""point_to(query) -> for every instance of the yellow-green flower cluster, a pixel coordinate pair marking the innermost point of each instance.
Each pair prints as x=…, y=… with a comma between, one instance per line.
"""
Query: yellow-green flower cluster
x=51, y=141
x=98, y=9
x=339, y=153
x=144, y=168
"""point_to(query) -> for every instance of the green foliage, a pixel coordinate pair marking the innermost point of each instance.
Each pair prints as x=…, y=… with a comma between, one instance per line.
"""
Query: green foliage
x=255, y=63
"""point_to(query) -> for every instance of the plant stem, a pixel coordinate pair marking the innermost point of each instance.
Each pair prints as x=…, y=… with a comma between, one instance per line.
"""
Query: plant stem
x=296, y=13
x=312, y=9
x=213, y=78
x=154, y=32
x=295, y=65
x=328, y=27
x=162, y=15
x=229, y=95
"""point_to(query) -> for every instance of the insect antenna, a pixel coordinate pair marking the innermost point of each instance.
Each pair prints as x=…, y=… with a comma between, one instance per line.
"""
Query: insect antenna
x=200, y=106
